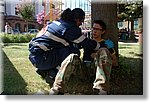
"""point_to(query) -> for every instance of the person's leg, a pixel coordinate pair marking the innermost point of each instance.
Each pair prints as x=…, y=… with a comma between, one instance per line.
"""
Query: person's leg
x=90, y=70
x=68, y=67
x=103, y=69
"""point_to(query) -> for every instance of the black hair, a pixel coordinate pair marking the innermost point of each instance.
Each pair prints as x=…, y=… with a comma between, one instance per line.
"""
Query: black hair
x=69, y=15
x=78, y=14
x=101, y=23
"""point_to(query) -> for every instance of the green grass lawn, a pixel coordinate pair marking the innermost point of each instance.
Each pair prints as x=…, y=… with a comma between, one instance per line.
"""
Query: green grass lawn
x=128, y=78
x=20, y=76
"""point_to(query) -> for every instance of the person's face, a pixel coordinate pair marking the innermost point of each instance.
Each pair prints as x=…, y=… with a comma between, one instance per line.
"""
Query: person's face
x=97, y=30
x=79, y=22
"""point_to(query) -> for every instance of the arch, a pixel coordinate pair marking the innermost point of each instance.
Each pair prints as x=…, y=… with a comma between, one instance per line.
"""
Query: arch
x=31, y=26
x=18, y=26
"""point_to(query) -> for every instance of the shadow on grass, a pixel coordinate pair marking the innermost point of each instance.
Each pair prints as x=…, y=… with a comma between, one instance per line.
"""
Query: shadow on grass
x=128, y=78
x=121, y=47
x=126, y=46
x=16, y=44
x=128, y=41
x=125, y=80
x=13, y=84
x=22, y=46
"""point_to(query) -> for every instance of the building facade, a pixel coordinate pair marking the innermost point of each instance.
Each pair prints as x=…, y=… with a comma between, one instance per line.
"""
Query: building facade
x=15, y=20
x=2, y=10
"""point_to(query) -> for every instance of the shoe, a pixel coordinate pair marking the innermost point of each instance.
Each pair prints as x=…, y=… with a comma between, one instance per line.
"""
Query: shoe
x=95, y=91
x=99, y=92
x=50, y=80
x=55, y=92
x=102, y=92
x=42, y=73
x=60, y=93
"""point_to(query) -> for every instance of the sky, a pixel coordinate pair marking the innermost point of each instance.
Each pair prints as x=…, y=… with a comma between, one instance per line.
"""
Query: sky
x=84, y=4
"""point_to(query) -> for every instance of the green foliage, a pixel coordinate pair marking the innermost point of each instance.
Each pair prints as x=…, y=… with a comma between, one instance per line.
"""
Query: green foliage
x=27, y=11
x=20, y=77
x=128, y=78
x=16, y=38
x=130, y=10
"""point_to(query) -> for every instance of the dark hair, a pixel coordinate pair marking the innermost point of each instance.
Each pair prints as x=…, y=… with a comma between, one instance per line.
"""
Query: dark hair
x=78, y=14
x=101, y=23
x=67, y=15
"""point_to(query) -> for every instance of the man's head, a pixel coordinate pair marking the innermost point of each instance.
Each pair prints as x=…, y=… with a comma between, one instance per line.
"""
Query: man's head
x=79, y=16
x=76, y=15
x=67, y=15
x=99, y=28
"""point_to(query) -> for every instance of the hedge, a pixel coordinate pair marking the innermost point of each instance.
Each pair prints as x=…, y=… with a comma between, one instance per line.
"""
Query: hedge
x=16, y=38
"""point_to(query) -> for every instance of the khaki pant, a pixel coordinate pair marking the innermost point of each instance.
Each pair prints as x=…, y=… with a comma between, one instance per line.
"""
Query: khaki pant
x=72, y=65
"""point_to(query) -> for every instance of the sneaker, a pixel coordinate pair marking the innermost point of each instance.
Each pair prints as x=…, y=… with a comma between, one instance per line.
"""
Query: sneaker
x=42, y=73
x=102, y=92
x=55, y=92
x=50, y=80
x=99, y=92
x=95, y=91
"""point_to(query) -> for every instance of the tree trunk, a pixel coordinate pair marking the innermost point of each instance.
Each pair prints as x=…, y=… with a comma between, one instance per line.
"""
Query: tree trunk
x=27, y=24
x=128, y=26
x=26, y=28
x=132, y=37
x=106, y=11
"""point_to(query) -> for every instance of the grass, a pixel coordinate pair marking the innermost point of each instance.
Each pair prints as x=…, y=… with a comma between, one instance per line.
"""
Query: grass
x=128, y=78
x=20, y=76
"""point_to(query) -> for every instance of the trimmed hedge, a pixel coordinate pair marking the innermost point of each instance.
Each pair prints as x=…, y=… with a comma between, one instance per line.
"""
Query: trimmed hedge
x=16, y=38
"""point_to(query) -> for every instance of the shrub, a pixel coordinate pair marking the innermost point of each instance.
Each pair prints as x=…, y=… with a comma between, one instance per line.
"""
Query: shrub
x=16, y=38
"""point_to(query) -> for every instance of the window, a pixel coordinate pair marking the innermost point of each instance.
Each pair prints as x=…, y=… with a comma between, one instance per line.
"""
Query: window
x=136, y=24
x=120, y=24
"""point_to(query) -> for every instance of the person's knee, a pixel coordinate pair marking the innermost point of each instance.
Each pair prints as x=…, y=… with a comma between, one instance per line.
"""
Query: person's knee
x=103, y=51
x=70, y=58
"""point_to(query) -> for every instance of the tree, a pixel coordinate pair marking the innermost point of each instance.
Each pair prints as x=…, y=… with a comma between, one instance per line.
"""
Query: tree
x=129, y=11
x=132, y=10
x=40, y=17
x=26, y=10
x=106, y=11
